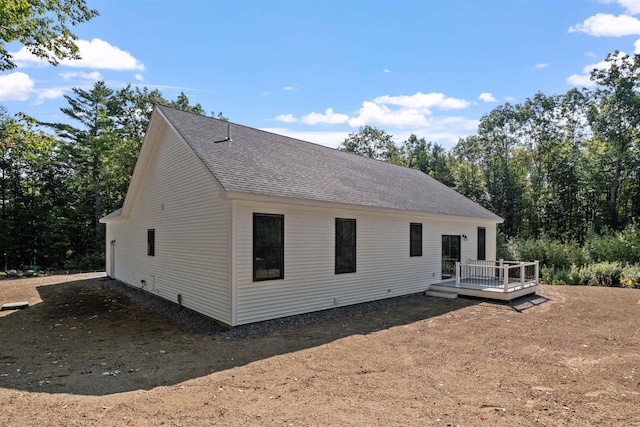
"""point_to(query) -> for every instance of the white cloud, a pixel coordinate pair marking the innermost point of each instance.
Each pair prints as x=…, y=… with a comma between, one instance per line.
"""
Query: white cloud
x=386, y=71
x=139, y=77
x=636, y=47
x=97, y=54
x=290, y=88
x=448, y=136
x=329, y=117
x=509, y=99
x=380, y=115
x=606, y=25
x=590, y=54
x=423, y=101
x=444, y=130
x=487, y=97
x=632, y=7
x=404, y=114
x=542, y=65
x=94, y=75
x=404, y=111
x=328, y=139
x=48, y=94
x=585, y=79
x=603, y=65
x=287, y=118
x=580, y=80
x=15, y=87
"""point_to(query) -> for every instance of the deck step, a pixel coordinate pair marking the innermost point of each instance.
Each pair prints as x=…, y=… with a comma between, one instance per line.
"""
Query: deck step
x=441, y=294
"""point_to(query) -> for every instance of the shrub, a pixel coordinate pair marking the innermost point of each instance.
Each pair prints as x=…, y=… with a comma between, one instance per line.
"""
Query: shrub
x=550, y=252
x=630, y=238
x=575, y=277
x=503, y=248
x=551, y=276
x=630, y=276
x=561, y=277
x=605, y=248
x=546, y=275
x=623, y=247
x=602, y=274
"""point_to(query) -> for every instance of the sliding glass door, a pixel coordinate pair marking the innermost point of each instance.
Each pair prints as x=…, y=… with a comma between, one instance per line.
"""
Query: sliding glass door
x=450, y=255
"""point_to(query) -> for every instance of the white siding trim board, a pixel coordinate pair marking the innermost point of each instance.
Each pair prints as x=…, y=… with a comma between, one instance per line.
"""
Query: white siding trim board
x=234, y=261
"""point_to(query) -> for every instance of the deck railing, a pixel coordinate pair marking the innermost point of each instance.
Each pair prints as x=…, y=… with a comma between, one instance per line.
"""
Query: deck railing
x=497, y=274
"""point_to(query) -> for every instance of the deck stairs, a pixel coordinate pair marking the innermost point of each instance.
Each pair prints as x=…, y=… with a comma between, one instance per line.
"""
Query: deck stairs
x=441, y=293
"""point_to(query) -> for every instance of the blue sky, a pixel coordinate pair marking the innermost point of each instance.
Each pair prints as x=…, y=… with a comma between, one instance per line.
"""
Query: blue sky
x=320, y=69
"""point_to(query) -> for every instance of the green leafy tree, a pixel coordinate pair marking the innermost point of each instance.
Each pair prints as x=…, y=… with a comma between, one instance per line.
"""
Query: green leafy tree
x=43, y=27
x=571, y=170
x=374, y=143
x=467, y=172
x=615, y=120
x=99, y=148
x=502, y=163
x=87, y=145
x=130, y=109
x=182, y=103
x=429, y=158
x=33, y=219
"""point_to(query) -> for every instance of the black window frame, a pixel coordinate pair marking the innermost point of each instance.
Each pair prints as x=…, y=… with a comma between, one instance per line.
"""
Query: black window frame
x=342, y=247
x=151, y=242
x=277, y=250
x=482, y=244
x=415, y=240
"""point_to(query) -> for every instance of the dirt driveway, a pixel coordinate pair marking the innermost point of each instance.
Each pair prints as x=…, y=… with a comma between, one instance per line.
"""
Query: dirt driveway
x=85, y=354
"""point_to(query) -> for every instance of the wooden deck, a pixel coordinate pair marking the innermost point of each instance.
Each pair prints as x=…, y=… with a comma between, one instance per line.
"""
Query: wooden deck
x=500, y=280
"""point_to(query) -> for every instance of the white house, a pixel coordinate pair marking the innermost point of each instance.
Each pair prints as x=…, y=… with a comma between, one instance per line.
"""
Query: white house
x=243, y=225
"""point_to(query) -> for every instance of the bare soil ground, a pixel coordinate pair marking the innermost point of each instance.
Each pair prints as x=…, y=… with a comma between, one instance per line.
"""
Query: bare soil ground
x=85, y=354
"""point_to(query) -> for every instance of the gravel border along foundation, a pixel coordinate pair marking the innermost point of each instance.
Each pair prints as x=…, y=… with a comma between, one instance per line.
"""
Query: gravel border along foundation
x=209, y=326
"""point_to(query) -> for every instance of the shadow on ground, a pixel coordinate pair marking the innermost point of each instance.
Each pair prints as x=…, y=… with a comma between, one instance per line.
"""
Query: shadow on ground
x=88, y=338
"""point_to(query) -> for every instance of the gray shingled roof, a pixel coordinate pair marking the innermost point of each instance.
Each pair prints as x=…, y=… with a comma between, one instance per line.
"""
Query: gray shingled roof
x=264, y=163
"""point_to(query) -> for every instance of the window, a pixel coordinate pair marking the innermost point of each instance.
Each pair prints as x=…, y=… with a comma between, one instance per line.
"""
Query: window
x=151, y=242
x=416, y=239
x=268, y=247
x=482, y=239
x=345, y=245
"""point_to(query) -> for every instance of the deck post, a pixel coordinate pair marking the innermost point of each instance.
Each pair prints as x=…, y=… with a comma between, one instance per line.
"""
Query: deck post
x=522, y=275
x=457, y=274
x=537, y=269
x=506, y=278
x=500, y=270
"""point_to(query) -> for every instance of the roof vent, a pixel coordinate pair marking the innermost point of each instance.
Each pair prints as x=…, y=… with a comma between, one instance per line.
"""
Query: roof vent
x=228, y=138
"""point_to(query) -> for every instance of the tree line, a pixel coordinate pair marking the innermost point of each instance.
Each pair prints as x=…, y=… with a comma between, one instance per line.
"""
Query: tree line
x=58, y=179
x=562, y=170
x=556, y=166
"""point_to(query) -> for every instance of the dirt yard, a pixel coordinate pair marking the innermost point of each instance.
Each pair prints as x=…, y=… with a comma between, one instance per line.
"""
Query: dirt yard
x=84, y=354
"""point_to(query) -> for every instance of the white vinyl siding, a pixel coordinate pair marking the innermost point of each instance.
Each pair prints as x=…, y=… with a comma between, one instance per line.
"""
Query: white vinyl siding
x=384, y=265
x=183, y=203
